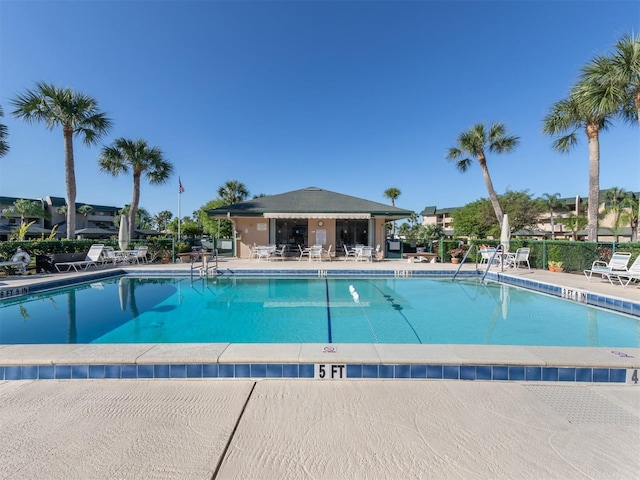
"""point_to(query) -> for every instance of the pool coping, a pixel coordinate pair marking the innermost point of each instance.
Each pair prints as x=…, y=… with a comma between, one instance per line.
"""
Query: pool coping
x=339, y=361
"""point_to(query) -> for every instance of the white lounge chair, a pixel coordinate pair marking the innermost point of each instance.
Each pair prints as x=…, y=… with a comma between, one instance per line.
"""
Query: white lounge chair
x=138, y=255
x=633, y=274
x=617, y=265
x=92, y=259
x=521, y=256
x=20, y=260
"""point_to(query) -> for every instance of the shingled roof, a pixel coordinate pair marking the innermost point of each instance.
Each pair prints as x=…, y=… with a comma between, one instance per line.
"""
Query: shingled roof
x=310, y=202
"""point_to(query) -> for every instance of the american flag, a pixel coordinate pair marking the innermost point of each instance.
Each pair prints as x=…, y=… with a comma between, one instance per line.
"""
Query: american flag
x=180, y=187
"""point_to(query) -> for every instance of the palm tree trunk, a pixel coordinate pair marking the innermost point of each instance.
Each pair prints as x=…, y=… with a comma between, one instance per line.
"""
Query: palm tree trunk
x=70, y=179
x=492, y=193
x=134, y=203
x=594, y=182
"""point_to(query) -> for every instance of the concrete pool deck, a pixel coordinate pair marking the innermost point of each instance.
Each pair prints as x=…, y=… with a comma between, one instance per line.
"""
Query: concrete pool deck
x=304, y=428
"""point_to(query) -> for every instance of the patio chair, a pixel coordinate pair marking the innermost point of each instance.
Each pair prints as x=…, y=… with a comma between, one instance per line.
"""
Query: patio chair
x=138, y=255
x=315, y=253
x=364, y=254
x=327, y=252
x=109, y=256
x=521, y=256
x=92, y=259
x=349, y=252
x=263, y=253
x=633, y=274
x=279, y=253
x=304, y=252
x=617, y=265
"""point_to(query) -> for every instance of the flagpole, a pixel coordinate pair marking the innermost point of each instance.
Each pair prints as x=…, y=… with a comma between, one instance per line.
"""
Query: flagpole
x=179, y=205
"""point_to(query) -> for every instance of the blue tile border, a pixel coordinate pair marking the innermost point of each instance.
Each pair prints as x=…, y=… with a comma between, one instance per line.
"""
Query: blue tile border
x=376, y=371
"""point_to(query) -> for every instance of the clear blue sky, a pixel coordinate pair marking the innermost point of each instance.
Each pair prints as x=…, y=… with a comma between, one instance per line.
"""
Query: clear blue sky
x=349, y=96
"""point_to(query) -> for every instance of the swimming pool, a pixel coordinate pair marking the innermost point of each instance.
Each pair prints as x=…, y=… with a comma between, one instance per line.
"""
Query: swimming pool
x=308, y=310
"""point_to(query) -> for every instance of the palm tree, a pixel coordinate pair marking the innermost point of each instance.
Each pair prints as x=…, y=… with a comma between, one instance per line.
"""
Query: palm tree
x=575, y=223
x=162, y=219
x=76, y=113
x=126, y=155
x=392, y=193
x=613, y=203
x=25, y=209
x=630, y=215
x=232, y=192
x=613, y=84
x=4, y=133
x=564, y=120
x=552, y=202
x=475, y=142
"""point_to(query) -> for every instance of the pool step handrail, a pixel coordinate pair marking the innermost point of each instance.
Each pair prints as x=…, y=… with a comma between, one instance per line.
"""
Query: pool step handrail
x=471, y=247
x=206, y=268
x=499, y=249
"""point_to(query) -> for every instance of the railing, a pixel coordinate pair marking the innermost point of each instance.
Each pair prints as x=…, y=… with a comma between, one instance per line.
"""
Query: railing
x=208, y=266
x=498, y=250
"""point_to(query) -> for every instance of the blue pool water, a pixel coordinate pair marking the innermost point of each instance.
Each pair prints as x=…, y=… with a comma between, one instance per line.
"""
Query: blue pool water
x=308, y=310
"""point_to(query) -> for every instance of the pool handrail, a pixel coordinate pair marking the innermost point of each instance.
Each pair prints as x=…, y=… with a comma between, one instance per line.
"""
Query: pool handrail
x=499, y=249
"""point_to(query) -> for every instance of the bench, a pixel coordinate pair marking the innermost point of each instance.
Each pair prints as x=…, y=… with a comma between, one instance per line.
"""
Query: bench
x=420, y=256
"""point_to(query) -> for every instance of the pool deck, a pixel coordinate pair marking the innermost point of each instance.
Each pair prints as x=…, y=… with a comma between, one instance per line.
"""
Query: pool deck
x=283, y=428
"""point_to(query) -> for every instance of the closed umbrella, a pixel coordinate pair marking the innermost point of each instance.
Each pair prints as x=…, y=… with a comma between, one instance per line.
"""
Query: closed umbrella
x=123, y=233
x=505, y=234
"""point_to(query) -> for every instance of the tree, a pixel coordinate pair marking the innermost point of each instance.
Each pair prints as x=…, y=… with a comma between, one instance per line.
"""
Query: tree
x=575, y=223
x=475, y=219
x=613, y=84
x=143, y=221
x=232, y=192
x=126, y=155
x=564, y=120
x=216, y=227
x=162, y=219
x=552, y=202
x=630, y=215
x=524, y=211
x=25, y=209
x=475, y=142
x=77, y=114
x=4, y=133
x=392, y=193
x=613, y=203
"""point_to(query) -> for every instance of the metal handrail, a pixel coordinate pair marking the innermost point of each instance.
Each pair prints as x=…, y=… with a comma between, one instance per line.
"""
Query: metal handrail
x=499, y=249
x=205, y=268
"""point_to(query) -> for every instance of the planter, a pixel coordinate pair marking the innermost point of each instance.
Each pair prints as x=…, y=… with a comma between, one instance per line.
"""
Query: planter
x=165, y=259
x=455, y=260
x=554, y=269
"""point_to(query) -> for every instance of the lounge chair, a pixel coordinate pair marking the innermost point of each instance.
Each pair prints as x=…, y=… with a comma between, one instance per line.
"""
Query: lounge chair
x=521, y=256
x=92, y=259
x=20, y=260
x=617, y=265
x=633, y=274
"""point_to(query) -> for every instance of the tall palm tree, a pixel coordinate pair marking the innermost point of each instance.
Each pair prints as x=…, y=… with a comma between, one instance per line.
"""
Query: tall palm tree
x=162, y=219
x=4, y=133
x=564, y=120
x=392, y=193
x=233, y=191
x=137, y=156
x=77, y=114
x=475, y=142
x=552, y=202
x=613, y=83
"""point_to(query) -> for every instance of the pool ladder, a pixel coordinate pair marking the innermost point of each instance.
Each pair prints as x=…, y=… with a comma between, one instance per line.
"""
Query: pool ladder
x=499, y=249
x=208, y=267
